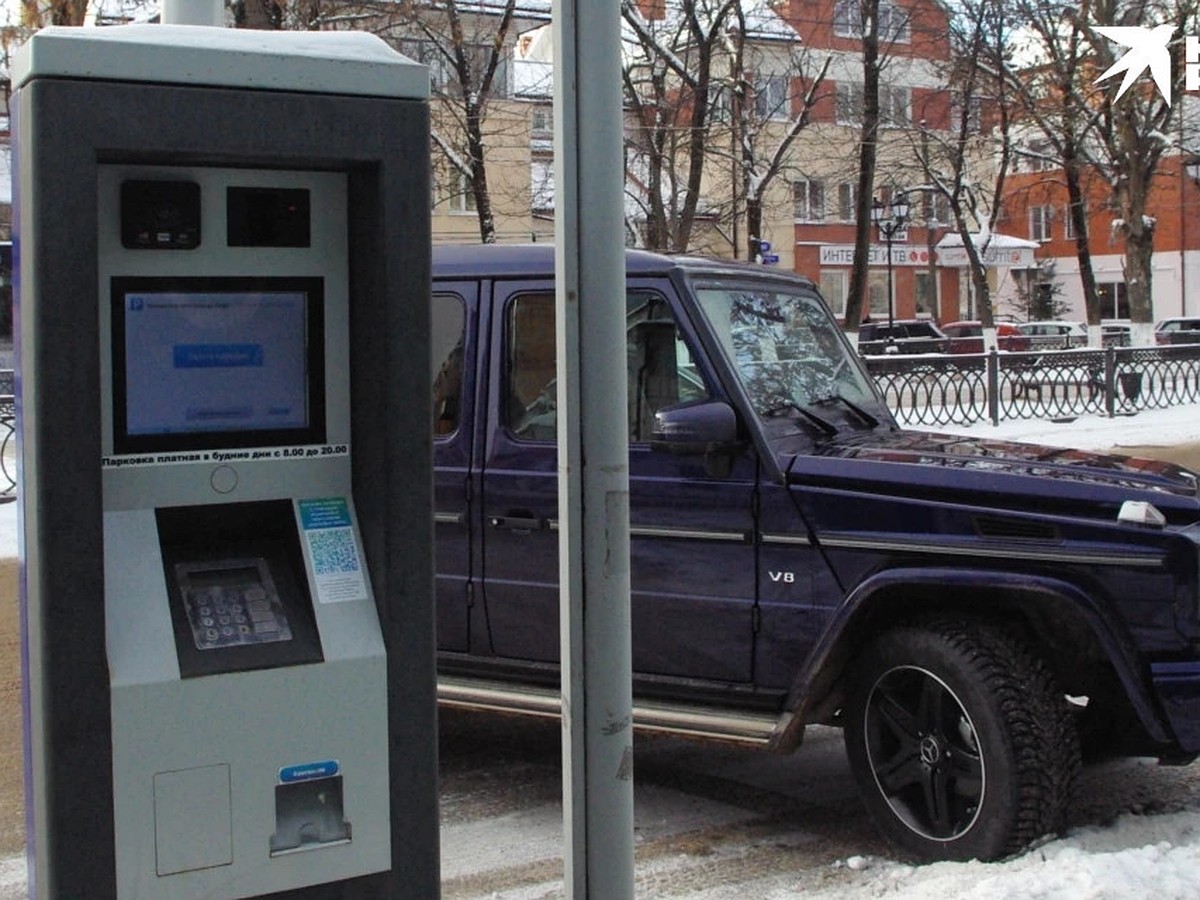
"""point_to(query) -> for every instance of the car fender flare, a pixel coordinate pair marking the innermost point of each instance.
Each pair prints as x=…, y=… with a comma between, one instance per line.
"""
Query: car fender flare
x=864, y=606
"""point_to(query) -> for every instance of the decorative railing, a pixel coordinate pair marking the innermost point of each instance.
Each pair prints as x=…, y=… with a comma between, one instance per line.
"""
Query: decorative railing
x=8, y=433
x=938, y=389
x=949, y=389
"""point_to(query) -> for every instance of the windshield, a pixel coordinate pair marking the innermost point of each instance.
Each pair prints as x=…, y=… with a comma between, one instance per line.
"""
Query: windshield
x=785, y=347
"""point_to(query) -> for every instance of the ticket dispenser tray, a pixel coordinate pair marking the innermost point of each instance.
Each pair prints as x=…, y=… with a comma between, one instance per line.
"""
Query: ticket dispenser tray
x=308, y=812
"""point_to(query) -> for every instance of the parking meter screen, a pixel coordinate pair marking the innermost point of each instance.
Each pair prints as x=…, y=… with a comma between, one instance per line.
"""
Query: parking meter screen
x=203, y=363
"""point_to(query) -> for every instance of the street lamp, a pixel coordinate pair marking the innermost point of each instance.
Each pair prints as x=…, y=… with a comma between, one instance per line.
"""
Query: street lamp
x=890, y=218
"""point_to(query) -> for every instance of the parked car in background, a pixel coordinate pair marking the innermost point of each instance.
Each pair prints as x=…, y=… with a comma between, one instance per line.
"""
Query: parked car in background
x=1054, y=335
x=901, y=336
x=967, y=337
x=1116, y=334
x=1178, y=330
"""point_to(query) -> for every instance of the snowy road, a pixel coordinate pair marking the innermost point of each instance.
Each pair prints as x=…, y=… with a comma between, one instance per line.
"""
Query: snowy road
x=724, y=823
x=716, y=823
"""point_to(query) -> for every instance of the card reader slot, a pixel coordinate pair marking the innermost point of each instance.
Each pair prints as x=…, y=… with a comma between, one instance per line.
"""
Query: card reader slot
x=237, y=587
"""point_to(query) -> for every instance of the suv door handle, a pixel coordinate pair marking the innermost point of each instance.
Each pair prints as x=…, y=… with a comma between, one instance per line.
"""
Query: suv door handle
x=521, y=521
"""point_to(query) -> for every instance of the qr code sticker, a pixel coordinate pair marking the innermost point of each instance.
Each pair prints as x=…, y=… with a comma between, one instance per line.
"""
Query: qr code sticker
x=333, y=551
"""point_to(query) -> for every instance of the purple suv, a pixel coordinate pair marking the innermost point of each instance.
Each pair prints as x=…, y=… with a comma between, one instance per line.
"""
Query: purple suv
x=974, y=613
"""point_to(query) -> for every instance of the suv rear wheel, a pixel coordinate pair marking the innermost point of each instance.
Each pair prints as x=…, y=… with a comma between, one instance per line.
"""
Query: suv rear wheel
x=959, y=741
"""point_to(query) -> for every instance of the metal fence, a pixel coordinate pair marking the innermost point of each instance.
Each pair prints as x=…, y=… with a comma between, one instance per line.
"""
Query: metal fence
x=7, y=433
x=948, y=389
x=8, y=426
x=963, y=389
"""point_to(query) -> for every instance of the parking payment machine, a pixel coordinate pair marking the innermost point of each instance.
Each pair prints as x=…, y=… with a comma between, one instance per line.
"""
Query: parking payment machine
x=223, y=389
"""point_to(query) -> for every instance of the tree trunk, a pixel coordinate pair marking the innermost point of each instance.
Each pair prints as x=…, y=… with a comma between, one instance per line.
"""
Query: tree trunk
x=1139, y=249
x=1077, y=210
x=754, y=216
x=264, y=15
x=479, y=180
x=868, y=156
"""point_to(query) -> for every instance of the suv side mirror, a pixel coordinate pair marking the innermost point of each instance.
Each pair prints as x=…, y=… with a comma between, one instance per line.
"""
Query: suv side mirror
x=699, y=426
x=707, y=427
x=694, y=427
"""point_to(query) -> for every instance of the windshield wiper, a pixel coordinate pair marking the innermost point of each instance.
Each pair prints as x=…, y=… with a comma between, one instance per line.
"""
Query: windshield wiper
x=826, y=427
x=864, y=416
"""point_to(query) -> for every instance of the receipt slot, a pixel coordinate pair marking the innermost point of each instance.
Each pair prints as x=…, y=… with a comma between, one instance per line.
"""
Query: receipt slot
x=222, y=389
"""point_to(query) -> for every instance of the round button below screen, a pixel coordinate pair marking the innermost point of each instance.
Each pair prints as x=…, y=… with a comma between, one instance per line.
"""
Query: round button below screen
x=224, y=479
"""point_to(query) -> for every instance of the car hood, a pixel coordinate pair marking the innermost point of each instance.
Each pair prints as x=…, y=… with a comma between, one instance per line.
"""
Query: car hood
x=1007, y=472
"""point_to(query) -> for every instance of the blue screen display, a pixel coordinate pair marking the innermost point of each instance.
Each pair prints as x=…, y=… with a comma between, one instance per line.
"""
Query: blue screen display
x=217, y=361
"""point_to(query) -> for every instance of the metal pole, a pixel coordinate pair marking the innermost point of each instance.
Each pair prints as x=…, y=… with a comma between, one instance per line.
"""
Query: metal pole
x=887, y=233
x=192, y=12
x=593, y=451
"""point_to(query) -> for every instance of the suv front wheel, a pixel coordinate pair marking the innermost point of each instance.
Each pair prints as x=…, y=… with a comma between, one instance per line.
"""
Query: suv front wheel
x=959, y=741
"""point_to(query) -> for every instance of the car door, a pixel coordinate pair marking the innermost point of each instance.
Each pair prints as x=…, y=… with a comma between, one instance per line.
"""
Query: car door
x=691, y=533
x=454, y=317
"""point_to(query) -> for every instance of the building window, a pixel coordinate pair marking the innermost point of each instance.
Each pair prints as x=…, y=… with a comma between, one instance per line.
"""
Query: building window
x=441, y=73
x=846, y=196
x=454, y=192
x=847, y=19
x=926, y=294
x=722, y=104
x=541, y=185
x=877, y=296
x=833, y=289
x=1114, y=300
x=848, y=101
x=974, y=113
x=771, y=97
x=895, y=106
x=894, y=24
x=1069, y=223
x=464, y=198
x=1038, y=156
x=541, y=122
x=808, y=198
x=893, y=21
x=443, y=79
x=1039, y=223
x=935, y=208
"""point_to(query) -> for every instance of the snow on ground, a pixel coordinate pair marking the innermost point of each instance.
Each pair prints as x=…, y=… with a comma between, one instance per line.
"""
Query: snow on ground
x=8, y=530
x=1153, y=427
x=1136, y=856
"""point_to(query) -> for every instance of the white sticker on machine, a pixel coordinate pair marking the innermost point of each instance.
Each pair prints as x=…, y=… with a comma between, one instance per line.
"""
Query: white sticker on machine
x=329, y=535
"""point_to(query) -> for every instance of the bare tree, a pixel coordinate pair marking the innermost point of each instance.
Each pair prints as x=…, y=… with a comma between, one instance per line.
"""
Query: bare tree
x=40, y=13
x=259, y=14
x=468, y=49
x=868, y=156
x=773, y=90
x=1120, y=140
x=1054, y=96
x=961, y=165
x=669, y=94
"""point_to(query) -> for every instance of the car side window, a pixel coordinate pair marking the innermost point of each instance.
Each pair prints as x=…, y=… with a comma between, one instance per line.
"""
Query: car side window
x=448, y=318
x=661, y=369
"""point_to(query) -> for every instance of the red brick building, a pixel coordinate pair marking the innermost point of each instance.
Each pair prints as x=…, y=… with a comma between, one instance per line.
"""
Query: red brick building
x=912, y=92
x=1035, y=206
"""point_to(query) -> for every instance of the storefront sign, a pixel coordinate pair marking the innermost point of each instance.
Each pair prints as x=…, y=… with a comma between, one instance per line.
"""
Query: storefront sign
x=993, y=257
x=902, y=255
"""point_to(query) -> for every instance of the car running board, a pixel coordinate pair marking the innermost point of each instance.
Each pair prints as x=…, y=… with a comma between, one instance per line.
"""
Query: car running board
x=713, y=723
